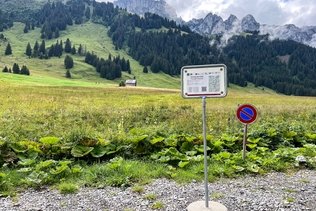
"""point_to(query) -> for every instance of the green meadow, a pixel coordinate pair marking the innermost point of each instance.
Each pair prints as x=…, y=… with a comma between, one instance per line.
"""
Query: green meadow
x=99, y=43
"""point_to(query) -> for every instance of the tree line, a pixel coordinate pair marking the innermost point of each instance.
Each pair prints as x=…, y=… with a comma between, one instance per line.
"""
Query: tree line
x=55, y=50
x=17, y=70
x=110, y=68
x=259, y=62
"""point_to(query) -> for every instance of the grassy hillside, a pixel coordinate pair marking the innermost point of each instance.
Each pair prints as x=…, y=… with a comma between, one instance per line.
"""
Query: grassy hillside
x=94, y=38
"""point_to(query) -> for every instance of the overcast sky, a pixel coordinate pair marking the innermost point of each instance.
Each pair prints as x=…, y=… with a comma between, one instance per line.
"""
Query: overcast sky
x=278, y=12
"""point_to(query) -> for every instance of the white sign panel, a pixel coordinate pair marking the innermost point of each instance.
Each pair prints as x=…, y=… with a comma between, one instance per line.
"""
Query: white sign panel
x=204, y=81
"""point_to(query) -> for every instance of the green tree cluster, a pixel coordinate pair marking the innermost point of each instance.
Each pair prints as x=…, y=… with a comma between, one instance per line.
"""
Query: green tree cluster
x=17, y=70
x=111, y=68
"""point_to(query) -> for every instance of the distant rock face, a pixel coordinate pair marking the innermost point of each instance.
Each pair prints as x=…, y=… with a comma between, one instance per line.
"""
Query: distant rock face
x=214, y=25
x=140, y=7
x=249, y=24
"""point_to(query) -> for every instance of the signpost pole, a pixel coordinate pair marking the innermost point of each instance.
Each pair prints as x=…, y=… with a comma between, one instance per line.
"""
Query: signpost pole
x=205, y=152
x=244, y=142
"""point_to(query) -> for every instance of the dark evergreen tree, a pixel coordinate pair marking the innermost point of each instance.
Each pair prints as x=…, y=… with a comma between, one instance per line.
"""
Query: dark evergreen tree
x=36, y=49
x=68, y=46
x=25, y=70
x=10, y=70
x=145, y=70
x=68, y=74
x=128, y=67
x=68, y=62
x=51, y=51
x=88, y=13
x=42, y=48
x=8, y=50
x=5, y=69
x=73, y=50
x=28, y=50
x=16, y=68
x=26, y=28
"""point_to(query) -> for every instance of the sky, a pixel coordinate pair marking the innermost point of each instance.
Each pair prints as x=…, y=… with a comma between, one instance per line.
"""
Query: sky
x=272, y=12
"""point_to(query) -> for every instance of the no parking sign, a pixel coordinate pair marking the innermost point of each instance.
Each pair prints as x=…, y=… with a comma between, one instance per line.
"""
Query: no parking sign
x=246, y=114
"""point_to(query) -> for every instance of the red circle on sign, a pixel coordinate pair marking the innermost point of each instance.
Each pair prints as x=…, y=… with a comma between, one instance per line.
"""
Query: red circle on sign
x=246, y=113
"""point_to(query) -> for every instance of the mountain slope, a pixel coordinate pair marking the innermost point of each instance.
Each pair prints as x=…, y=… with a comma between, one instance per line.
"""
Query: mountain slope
x=100, y=43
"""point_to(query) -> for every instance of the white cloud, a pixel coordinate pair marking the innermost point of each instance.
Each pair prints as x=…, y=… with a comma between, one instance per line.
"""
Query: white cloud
x=299, y=12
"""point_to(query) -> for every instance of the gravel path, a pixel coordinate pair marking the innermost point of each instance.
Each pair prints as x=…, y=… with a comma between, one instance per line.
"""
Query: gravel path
x=275, y=191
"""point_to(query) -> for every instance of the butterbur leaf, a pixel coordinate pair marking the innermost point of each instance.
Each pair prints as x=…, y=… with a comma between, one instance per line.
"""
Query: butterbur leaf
x=99, y=151
x=45, y=164
x=198, y=158
x=182, y=164
x=164, y=159
x=18, y=147
x=25, y=170
x=191, y=153
x=80, y=151
x=238, y=168
x=171, y=141
x=157, y=140
x=49, y=140
x=253, y=168
x=252, y=146
x=138, y=139
x=59, y=169
x=26, y=162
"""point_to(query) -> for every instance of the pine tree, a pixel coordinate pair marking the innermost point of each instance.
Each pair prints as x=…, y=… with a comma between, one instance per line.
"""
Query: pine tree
x=16, y=68
x=73, y=50
x=25, y=70
x=88, y=13
x=28, y=50
x=35, y=49
x=5, y=69
x=80, y=50
x=51, y=51
x=68, y=46
x=68, y=74
x=128, y=67
x=8, y=50
x=42, y=48
x=26, y=29
x=145, y=70
x=68, y=62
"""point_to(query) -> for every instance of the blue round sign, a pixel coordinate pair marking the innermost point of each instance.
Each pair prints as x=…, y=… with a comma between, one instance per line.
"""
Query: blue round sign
x=246, y=113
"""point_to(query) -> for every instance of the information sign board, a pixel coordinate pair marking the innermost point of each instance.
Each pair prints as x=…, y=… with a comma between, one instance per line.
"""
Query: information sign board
x=204, y=81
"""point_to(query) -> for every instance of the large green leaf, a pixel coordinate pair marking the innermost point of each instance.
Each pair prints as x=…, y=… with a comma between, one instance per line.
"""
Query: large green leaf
x=99, y=151
x=19, y=148
x=49, y=140
x=157, y=140
x=80, y=151
x=182, y=164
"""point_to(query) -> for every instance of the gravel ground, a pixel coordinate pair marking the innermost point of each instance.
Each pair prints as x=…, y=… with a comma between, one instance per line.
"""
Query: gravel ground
x=274, y=191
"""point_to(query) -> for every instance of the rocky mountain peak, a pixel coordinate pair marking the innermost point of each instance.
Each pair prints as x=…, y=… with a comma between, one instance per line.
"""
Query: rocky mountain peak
x=140, y=7
x=230, y=22
x=249, y=23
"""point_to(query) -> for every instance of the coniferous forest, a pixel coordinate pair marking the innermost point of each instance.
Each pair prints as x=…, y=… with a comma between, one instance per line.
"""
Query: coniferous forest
x=164, y=46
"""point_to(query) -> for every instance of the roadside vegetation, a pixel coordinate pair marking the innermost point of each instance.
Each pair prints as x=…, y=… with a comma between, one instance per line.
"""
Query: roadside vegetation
x=70, y=137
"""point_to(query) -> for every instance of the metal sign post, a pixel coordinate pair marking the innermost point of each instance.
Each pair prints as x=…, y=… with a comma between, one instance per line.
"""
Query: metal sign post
x=204, y=81
x=246, y=114
x=207, y=198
